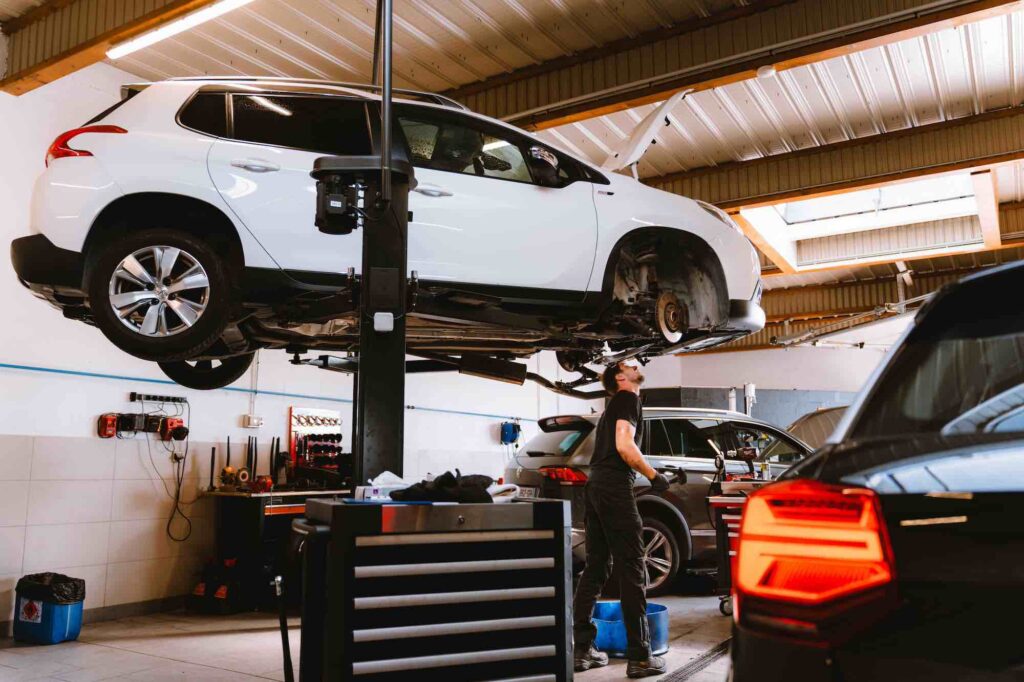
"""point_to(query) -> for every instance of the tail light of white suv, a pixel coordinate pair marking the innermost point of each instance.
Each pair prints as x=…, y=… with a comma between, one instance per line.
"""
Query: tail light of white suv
x=61, y=146
x=814, y=562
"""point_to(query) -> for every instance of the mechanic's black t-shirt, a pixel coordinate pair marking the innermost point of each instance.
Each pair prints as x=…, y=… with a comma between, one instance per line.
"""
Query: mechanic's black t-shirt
x=606, y=463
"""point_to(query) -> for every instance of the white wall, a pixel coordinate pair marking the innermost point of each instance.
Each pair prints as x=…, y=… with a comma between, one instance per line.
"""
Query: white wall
x=804, y=368
x=96, y=509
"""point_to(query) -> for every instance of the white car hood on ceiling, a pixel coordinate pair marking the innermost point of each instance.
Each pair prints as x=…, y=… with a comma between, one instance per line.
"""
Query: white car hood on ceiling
x=636, y=145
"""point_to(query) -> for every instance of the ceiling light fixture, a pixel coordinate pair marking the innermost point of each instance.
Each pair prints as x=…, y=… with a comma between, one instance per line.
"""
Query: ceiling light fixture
x=175, y=27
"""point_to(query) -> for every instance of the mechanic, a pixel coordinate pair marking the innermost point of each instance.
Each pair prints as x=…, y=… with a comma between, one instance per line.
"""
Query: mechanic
x=614, y=527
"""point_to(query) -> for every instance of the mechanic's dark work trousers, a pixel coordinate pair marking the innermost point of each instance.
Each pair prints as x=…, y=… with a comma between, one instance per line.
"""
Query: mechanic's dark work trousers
x=613, y=540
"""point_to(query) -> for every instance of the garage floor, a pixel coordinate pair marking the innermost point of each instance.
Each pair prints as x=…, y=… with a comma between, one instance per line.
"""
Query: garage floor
x=180, y=646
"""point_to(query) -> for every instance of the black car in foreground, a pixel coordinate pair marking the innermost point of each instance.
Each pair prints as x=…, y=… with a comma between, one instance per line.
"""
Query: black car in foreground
x=897, y=551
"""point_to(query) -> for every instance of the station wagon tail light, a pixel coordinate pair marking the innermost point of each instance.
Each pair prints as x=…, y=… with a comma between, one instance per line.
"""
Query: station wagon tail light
x=813, y=561
x=61, y=146
x=564, y=475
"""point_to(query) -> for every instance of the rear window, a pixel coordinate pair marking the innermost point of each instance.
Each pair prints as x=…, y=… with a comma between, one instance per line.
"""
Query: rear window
x=563, y=441
x=206, y=113
x=960, y=372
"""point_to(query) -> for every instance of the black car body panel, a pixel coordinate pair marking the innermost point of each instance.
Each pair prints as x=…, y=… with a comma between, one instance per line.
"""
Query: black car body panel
x=938, y=436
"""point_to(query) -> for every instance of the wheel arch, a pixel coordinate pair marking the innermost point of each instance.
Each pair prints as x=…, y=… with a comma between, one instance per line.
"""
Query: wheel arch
x=194, y=216
x=667, y=513
x=698, y=278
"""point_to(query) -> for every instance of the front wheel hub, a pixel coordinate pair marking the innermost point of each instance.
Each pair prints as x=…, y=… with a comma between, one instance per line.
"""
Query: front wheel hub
x=670, y=316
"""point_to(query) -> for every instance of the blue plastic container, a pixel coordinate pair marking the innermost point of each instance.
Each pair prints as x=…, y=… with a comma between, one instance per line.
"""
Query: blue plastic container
x=43, y=622
x=611, y=631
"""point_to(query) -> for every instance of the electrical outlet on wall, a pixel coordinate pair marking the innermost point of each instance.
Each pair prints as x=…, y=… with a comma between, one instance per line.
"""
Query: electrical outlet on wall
x=251, y=421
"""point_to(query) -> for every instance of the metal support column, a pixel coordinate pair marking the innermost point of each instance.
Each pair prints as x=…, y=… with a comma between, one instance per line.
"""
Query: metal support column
x=380, y=401
x=371, y=193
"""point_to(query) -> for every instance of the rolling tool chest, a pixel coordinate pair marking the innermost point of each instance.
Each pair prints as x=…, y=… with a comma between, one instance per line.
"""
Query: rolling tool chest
x=459, y=592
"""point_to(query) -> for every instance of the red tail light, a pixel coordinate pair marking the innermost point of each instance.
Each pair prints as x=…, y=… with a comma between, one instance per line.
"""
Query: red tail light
x=564, y=475
x=59, y=149
x=813, y=561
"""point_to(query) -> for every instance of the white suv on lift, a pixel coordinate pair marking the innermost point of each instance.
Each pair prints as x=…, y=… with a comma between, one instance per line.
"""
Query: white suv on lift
x=181, y=223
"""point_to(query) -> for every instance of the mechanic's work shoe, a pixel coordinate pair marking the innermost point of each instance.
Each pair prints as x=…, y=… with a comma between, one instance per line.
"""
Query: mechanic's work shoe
x=655, y=665
x=589, y=658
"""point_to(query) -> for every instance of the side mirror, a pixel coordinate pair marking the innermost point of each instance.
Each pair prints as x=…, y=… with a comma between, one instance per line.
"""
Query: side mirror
x=544, y=165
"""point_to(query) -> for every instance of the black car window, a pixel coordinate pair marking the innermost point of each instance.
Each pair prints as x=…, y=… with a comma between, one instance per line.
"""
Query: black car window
x=461, y=145
x=331, y=125
x=677, y=437
x=206, y=112
x=960, y=372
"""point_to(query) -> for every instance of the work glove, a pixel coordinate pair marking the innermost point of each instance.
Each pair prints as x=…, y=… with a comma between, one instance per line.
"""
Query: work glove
x=660, y=483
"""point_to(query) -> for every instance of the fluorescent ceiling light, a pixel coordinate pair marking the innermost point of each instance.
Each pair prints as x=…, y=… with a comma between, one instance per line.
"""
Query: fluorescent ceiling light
x=273, y=106
x=497, y=144
x=175, y=27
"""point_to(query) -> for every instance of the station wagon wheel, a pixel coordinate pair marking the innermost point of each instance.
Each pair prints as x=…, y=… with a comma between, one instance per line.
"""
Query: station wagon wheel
x=159, y=294
x=661, y=556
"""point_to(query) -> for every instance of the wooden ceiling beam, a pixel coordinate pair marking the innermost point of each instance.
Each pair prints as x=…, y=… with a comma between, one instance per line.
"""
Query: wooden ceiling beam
x=63, y=36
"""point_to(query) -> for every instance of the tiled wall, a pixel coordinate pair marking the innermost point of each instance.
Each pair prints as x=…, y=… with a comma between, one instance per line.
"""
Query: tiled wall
x=97, y=509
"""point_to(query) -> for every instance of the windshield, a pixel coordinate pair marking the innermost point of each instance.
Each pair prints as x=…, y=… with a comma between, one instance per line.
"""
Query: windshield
x=960, y=372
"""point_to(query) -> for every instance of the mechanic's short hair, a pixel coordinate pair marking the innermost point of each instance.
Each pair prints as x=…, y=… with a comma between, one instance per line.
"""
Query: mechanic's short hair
x=609, y=379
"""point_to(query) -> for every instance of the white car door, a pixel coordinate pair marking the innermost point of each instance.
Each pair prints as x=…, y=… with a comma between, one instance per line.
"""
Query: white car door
x=478, y=215
x=263, y=173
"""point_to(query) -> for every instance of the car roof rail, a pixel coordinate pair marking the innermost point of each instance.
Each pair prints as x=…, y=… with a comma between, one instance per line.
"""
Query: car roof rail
x=430, y=97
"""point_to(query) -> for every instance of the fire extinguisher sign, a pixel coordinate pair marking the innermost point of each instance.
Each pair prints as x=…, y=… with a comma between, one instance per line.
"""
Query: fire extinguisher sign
x=30, y=611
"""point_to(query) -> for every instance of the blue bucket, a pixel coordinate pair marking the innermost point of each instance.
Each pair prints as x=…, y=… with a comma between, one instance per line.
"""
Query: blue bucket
x=611, y=631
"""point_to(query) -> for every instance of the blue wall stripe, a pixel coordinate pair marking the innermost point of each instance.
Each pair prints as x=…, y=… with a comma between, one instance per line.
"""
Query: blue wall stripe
x=234, y=389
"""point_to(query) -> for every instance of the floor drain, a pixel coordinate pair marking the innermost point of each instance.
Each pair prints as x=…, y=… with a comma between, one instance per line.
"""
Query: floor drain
x=699, y=663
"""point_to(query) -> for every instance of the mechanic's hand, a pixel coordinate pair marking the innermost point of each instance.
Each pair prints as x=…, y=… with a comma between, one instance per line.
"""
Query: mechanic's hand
x=660, y=483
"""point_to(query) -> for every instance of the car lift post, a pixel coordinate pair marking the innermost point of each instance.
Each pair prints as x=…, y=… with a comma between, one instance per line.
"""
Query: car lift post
x=380, y=387
x=372, y=193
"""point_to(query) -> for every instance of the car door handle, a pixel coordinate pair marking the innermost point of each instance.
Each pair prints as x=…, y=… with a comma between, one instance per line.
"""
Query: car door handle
x=432, y=190
x=256, y=165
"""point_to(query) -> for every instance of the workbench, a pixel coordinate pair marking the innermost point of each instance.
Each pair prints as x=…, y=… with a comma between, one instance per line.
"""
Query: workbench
x=253, y=530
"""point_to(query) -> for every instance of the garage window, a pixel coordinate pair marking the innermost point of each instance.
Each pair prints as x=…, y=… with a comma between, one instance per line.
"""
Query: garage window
x=328, y=125
x=460, y=147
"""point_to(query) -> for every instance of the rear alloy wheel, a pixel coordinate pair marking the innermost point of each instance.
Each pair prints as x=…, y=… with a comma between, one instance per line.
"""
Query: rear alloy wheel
x=661, y=556
x=670, y=317
x=159, y=294
x=204, y=375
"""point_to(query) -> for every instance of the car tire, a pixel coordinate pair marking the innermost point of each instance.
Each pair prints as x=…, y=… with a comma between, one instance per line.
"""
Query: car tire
x=660, y=546
x=204, y=375
x=164, y=310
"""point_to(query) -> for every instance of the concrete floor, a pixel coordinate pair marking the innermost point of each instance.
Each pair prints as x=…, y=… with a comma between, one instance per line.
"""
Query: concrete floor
x=180, y=646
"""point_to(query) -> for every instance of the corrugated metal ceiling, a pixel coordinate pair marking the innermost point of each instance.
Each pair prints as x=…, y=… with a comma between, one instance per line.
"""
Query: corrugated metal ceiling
x=14, y=8
x=439, y=44
x=945, y=75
